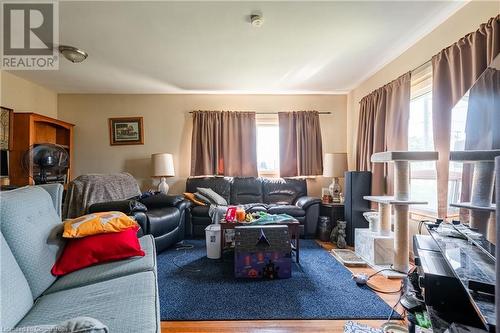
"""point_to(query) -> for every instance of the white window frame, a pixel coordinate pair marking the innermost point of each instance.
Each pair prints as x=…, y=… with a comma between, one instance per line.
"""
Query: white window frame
x=421, y=85
x=268, y=119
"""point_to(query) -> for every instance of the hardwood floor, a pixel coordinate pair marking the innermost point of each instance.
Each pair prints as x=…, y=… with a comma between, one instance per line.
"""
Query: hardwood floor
x=287, y=326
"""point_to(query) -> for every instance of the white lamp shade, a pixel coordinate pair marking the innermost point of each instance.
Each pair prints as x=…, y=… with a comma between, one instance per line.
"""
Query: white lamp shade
x=163, y=165
x=334, y=164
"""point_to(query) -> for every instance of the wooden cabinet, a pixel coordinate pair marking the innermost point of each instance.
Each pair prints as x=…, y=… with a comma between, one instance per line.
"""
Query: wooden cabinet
x=32, y=129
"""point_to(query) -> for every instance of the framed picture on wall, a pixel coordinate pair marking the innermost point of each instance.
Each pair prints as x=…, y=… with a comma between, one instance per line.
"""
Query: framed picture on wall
x=126, y=131
x=6, y=123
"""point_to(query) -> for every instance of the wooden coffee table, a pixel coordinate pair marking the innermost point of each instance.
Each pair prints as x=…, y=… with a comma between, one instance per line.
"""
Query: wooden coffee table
x=293, y=231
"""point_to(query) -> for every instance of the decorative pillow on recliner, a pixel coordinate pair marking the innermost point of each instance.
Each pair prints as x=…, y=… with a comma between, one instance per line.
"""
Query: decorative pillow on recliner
x=213, y=196
x=202, y=198
x=87, y=251
x=97, y=223
x=191, y=197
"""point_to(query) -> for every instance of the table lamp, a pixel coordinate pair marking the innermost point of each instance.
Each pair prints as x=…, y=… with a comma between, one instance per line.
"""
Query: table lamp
x=334, y=165
x=163, y=167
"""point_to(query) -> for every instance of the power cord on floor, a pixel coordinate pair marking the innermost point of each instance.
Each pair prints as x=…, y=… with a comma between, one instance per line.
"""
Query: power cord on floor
x=185, y=248
x=362, y=279
x=390, y=292
x=393, y=309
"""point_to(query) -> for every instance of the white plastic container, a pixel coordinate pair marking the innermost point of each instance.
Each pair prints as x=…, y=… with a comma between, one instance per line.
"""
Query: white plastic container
x=212, y=233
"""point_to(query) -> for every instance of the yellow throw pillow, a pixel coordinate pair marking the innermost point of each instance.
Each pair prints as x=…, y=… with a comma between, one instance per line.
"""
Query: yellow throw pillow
x=97, y=223
x=192, y=198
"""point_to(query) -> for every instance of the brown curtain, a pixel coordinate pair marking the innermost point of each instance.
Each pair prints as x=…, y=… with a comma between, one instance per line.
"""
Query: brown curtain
x=238, y=144
x=454, y=71
x=224, y=143
x=205, y=143
x=383, y=126
x=301, y=151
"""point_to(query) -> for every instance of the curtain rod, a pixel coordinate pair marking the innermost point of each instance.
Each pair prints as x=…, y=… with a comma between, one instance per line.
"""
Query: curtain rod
x=322, y=112
x=421, y=65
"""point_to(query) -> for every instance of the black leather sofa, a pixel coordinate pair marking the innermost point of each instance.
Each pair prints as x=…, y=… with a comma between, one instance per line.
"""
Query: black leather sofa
x=162, y=216
x=275, y=196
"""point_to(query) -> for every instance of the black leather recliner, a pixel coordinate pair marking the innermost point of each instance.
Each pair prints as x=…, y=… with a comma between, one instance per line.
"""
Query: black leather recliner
x=275, y=196
x=162, y=216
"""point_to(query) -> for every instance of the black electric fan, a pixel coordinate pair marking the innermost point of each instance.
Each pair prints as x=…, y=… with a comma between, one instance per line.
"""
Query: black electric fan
x=49, y=163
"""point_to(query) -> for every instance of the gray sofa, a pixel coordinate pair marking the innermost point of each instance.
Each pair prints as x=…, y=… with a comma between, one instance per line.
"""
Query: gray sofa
x=123, y=295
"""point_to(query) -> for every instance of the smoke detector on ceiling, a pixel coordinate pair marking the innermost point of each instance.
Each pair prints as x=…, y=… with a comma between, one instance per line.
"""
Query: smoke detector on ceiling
x=256, y=20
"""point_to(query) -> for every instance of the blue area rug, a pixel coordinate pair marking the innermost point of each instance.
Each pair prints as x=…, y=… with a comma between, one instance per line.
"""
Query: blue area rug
x=204, y=289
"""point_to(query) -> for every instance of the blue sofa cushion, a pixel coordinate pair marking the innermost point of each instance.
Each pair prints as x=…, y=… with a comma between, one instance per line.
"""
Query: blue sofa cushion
x=103, y=272
x=29, y=225
x=16, y=298
x=125, y=304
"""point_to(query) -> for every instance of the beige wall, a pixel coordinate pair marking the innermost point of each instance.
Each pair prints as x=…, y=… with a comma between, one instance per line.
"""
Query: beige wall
x=25, y=96
x=167, y=125
x=466, y=20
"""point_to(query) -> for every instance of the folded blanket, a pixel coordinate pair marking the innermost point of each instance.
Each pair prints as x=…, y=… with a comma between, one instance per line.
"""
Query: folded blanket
x=266, y=218
x=217, y=213
x=86, y=190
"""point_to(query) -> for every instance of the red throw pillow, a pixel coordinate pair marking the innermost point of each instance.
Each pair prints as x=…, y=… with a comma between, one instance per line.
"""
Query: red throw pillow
x=87, y=251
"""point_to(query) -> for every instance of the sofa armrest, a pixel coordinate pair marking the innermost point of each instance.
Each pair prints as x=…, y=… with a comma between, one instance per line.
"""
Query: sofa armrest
x=161, y=200
x=128, y=207
x=56, y=193
x=142, y=220
x=311, y=206
x=306, y=202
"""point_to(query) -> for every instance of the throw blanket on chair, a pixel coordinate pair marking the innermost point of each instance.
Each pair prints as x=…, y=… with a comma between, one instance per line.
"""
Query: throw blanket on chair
x=86, y=190
x=217, y=213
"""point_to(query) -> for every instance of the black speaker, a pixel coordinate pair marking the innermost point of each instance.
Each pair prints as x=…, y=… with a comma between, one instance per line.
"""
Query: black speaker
x=357, y=184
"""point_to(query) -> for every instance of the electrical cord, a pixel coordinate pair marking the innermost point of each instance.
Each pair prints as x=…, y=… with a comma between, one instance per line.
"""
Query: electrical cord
x=393, y=309
x=390, y=292
x=421, y=223
x=362, y=279
x=184, y=247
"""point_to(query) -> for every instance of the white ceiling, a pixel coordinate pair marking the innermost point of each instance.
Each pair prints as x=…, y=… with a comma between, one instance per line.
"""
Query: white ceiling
x=210, y=47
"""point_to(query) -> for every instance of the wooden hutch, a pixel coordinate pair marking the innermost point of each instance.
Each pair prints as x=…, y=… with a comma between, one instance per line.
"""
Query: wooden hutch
x=32, y=129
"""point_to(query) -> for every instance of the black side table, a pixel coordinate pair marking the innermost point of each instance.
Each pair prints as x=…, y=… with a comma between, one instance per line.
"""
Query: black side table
x=335, y=211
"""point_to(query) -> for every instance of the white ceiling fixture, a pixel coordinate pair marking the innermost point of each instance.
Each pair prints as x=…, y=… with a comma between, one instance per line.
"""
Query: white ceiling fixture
x=317, y=47
x=256, y=20
x=73, y=54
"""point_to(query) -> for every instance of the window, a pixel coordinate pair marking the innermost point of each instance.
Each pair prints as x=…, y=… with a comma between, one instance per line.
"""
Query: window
x=423, y=182
x=268, y=145
x=457, y=142
x=423, y=174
